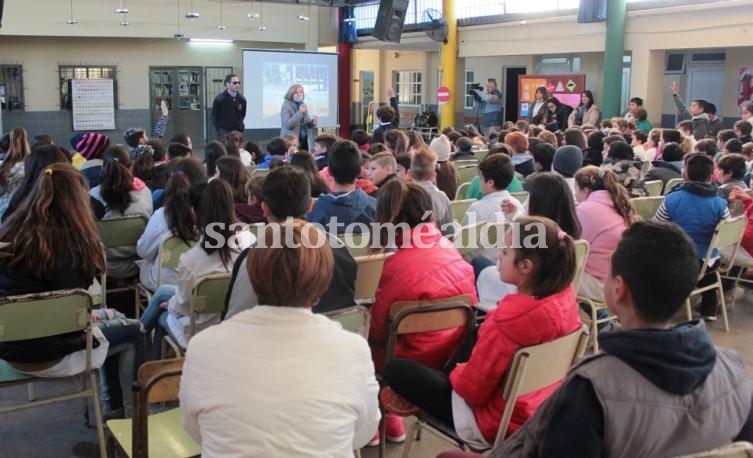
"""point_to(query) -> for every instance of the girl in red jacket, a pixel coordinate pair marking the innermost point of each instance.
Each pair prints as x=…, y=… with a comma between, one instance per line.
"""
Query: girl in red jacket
x=540, y=261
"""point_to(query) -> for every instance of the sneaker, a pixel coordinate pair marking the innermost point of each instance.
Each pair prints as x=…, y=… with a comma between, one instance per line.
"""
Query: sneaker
x=396, y=404
x=395, y=428
x=374, y=440
x=709, y=318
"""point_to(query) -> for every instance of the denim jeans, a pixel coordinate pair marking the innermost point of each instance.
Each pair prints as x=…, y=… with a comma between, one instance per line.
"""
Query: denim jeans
x=124, y=356
x=155, y=317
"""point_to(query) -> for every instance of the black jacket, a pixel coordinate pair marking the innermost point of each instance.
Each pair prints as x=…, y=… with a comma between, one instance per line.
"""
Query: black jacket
x=228, y=112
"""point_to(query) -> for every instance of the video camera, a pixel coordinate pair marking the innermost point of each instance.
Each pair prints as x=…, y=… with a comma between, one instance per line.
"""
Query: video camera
x=475, y=87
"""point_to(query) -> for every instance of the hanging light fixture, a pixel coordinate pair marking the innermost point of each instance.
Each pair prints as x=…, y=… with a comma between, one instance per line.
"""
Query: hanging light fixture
x=222, y=26
x=178, y=34
x=123, y=12
x=251, y=15
x=192, y=14
x=71, y=20
x=262, y=27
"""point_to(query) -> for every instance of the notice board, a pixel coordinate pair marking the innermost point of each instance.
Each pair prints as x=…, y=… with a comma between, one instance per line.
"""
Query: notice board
x=93, y=104
x=566, y=88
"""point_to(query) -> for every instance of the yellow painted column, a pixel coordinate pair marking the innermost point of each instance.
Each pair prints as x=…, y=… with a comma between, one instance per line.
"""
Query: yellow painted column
x=448, y=60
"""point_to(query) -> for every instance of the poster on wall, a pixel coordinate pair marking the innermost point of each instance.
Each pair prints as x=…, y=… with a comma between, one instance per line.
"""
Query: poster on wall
x=745, y=85
x=566, y=88
x=93, y=104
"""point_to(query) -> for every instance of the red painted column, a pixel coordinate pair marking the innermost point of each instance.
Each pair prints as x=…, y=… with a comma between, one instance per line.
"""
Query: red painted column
x=344, y=81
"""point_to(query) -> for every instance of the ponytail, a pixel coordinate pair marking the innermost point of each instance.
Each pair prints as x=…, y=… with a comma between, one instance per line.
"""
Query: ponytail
x=116, y=182
x=619, y=194
x=179, y=214
x=601, y=179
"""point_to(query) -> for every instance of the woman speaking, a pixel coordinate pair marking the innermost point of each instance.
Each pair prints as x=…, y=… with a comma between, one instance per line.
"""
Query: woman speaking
x=296, y=119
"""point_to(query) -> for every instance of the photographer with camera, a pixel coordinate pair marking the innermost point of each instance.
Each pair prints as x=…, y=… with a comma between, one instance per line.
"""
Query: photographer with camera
x=492, y=104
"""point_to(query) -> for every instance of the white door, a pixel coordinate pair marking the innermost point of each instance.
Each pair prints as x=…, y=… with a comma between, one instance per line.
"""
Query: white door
x=706, y=83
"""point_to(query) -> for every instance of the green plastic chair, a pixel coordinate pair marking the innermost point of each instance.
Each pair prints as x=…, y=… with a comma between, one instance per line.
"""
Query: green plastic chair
x=458, y=208
x=357, y=244
x=119, y=232
x=646, y=207
x=462, y=189
x=466, y=172
x=162, y=434
x=671, y=185
x=170, y=250
x=367, y=276
x=354, y=319
x=653, y=188
x=521, y=196
x=207, y=296
x=48, y=314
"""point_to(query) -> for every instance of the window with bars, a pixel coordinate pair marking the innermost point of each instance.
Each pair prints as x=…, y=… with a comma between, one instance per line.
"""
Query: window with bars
x=84, y=72
x=470, y=78
x=408, y=86
x=11, y=87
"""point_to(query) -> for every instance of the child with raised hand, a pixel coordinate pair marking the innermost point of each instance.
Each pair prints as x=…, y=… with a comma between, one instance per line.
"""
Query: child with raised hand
x=544, y=309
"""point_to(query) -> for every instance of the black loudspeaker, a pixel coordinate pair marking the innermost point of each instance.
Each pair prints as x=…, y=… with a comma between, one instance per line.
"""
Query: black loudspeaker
x=390, y=19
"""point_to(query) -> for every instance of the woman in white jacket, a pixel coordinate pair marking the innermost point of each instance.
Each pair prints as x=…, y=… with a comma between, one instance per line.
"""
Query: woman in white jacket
x=296, y=380
x=177, y=217
x=216, y=252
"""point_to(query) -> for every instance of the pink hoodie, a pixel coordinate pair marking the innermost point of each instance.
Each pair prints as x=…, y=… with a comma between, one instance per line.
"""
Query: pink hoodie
x=602, y=228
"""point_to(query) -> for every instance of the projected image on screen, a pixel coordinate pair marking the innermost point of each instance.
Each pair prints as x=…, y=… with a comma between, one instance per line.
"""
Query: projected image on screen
x=268, y=74
x=279, y=77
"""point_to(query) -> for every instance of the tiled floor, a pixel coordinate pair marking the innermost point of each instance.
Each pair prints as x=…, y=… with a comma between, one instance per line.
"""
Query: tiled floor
x=58, y=431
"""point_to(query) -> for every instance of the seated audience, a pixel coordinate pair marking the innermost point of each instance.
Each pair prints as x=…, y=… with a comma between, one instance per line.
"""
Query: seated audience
x=696, y=207
x=604, y=212
x=92, y=146
x=297, y=380
x=447, y=177
x=277, y=147
x=521, y=158
x=382, y=169
x=346, y=204
x=463, y=150
x=12, y=167
x=690, y=395
x=251, y=212
x=467, y=397
x=423, y=172
x=669, y=166
x=285, y=195
x=474, y=190
x=567, y=160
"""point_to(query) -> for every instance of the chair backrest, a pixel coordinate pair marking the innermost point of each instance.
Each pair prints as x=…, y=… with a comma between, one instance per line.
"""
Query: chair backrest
x=462, y=189
x=646, y=207
x=256, y=229
x=468, y=238
x=170, y=250
x=158, y=382
x=645, y=166
x=459, y=207
x=32, y=316
x=466, y=172
x=653, y=188
x=520, y=196
x=208, y=296
x=671, y=185
x=357, y=244
x=480, y=154
x=259, y=173
x=538, y=366
x=728, y=233
x=354, y=319
x=411, y=317
x=367, y=276
x=582, y=249
x=121, y=230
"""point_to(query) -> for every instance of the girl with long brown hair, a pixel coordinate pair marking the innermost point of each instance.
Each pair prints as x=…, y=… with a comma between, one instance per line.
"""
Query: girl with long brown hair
x=604, y=213
x=12, y=168
x=231, y=169
x=219, y=245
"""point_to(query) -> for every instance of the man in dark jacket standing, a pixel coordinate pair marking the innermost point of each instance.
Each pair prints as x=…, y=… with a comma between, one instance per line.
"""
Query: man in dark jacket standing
x=229, y=108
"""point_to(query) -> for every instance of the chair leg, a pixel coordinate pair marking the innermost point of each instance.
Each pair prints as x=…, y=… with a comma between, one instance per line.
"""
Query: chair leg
x=414, y=428
x=87, y=420
x=689, y=309
x=594, y=327
x=30, y=390
x=97, y=414
x=382, y=435
x=357, y=453
x=724, y=306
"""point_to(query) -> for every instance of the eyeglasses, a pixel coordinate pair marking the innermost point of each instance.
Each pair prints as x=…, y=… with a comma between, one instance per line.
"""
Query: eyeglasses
x=235, y=82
